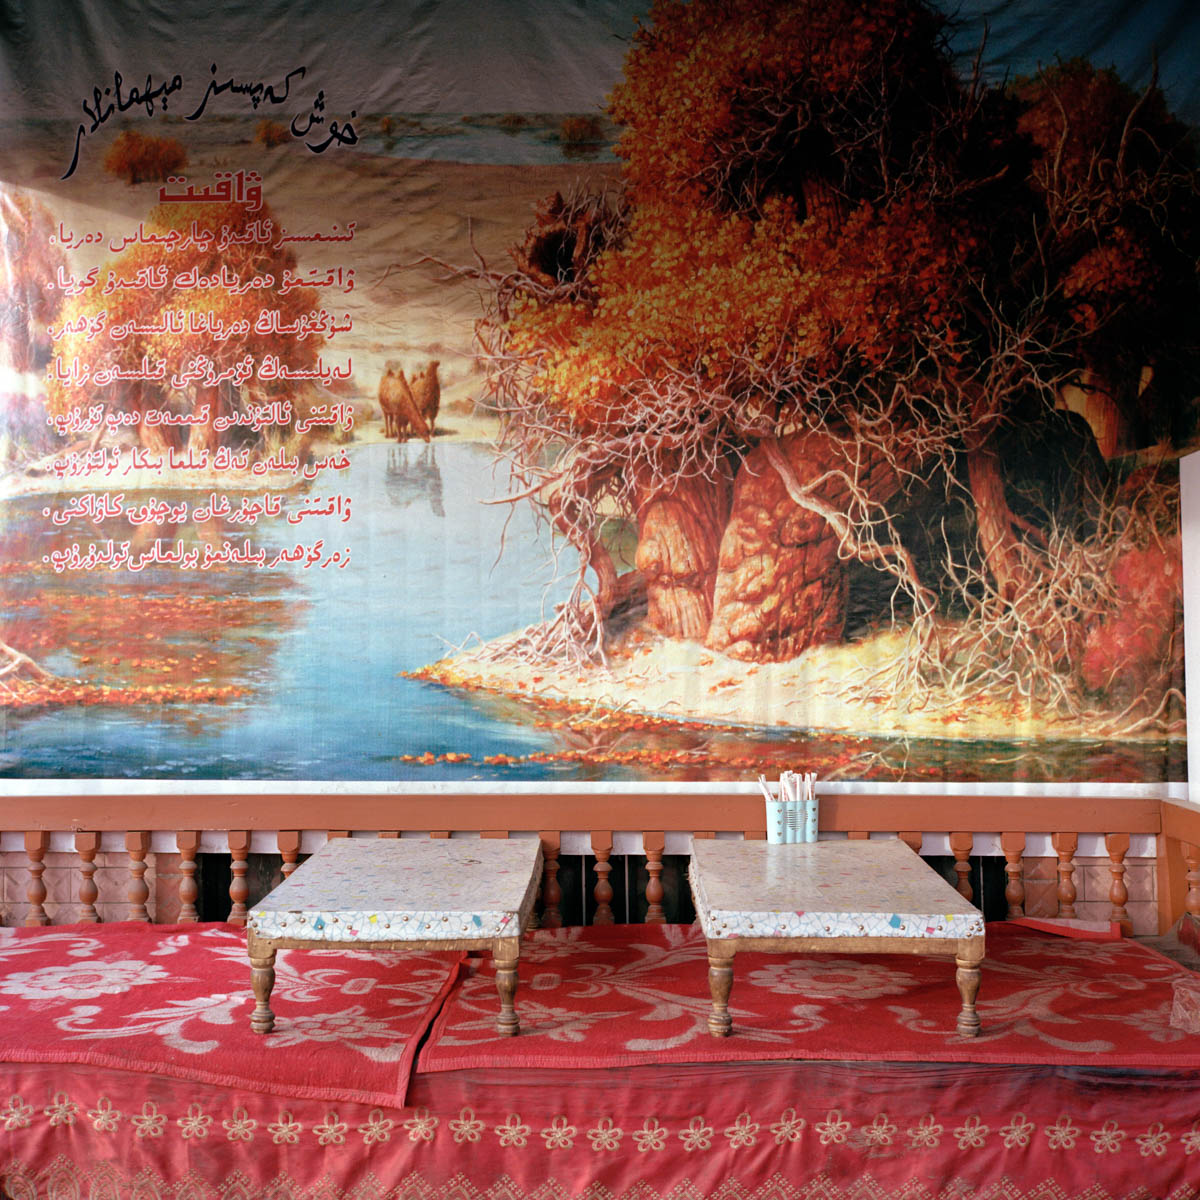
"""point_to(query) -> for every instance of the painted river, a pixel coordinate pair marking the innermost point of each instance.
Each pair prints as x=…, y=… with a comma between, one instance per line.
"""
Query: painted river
x=307, y=664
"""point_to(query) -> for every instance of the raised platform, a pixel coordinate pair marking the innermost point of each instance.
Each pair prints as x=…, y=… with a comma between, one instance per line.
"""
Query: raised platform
x=128, y=1068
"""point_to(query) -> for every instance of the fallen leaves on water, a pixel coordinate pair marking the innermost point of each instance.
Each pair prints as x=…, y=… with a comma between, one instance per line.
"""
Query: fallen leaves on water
x=61, y=693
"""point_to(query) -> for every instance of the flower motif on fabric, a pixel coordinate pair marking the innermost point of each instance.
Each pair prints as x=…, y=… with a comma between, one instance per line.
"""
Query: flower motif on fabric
x=971, y=1134
x=17, y=1115
x=331, y=1131
x=421, y=1126
x=1190, y=1140
x=560, y=1135
x=788, y=1128
x=514, y=1132
x=61, y=1110
x=285, y=1131
x=196, y=1123
x=651, y=1136
x=149, y=1123
x=926, y=1133
x=832, y=979
x=82, y=981
x=1017, y=1132
x=743, y=1132
x=697, y=1136
x=104, y=1117
x=1153, y=1143
x=1062, y=1134
x=240, y=1127
x=466, y=1128
x=349, y=1028
x=880, y=1132
x=1108, y=1138
x=605, y=1135
x=833, y=1130
x=377, y=1128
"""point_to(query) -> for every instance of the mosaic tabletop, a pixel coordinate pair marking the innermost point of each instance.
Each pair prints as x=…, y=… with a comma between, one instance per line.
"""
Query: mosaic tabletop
x=825, y=889
x=405, y=889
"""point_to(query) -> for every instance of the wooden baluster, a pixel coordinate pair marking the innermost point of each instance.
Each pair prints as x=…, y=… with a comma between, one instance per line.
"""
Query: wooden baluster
x=1117, y=845
x=389, y=833
x=653, y=844
x=859, y=835
x=239, y=889
x=187, y=842
x=1191, y=856
x=137, y=844
x=912, y=840
x=960, y=846
x=502, y=834
x=330, y=834
x=602, y=848
x=1013, y=845
x=551, y=892
x=86, y=846
x=439, y=834
x=1065, y=845
x=37, y=842
x=288, y=841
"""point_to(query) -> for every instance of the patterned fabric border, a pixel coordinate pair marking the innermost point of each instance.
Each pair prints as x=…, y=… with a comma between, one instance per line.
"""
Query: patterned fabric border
x=607, y=1134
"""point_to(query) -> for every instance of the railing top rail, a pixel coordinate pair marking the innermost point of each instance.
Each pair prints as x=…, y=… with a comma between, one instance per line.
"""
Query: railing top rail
x=735, y=812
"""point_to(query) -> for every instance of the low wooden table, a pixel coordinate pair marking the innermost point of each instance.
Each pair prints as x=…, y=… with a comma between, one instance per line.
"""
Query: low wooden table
x=401, y=894
x=839, y=897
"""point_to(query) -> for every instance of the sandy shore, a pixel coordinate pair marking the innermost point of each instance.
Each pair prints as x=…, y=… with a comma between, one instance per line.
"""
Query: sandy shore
x=835, y=688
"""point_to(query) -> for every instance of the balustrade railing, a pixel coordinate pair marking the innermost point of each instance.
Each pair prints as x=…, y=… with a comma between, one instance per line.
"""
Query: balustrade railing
x=126, y=858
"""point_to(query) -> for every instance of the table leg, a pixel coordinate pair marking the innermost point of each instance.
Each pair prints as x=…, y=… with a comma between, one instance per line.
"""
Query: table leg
x=720, y=984
x=505, y=955
x=967, y=977
x=262, y=980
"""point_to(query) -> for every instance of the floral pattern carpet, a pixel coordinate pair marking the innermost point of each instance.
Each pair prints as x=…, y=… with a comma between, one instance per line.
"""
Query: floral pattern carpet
x=176, y=1000
x=639, y=994
x=127, y=1069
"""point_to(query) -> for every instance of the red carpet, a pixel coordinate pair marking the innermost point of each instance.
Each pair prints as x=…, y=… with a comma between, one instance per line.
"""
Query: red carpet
x=131, y=1072
x=176, y=1001
x=622, y=996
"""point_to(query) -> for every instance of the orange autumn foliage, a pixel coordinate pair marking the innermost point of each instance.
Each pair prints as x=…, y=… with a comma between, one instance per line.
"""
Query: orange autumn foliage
x=825, y=230
x=143, y=158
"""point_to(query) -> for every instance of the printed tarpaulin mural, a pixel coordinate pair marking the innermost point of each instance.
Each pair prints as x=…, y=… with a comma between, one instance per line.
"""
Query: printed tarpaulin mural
x=586, y=392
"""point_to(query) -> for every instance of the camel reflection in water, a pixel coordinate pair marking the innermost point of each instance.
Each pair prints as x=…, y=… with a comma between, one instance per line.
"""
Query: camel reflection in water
x=412, y=474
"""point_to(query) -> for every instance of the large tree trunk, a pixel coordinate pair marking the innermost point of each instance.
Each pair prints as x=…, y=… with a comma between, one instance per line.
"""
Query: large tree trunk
x=781, y=584
x=997, y=538
x=679, y=537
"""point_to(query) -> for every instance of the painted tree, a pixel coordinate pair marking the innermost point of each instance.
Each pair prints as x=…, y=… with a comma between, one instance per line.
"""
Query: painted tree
x=29, y=260
x=245, y=277
x=835, y=268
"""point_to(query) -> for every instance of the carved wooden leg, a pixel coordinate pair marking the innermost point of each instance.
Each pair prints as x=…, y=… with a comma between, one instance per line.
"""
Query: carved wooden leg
x=86, y=846
x=551, y=892
x=262, y=980
x=505, y=954
x=720, y=984
x=653, y=844
x=37, y=843
x=602, y=843
x=967, y=977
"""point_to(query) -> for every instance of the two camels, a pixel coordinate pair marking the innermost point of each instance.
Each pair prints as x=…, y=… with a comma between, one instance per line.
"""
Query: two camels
x=409, y=407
